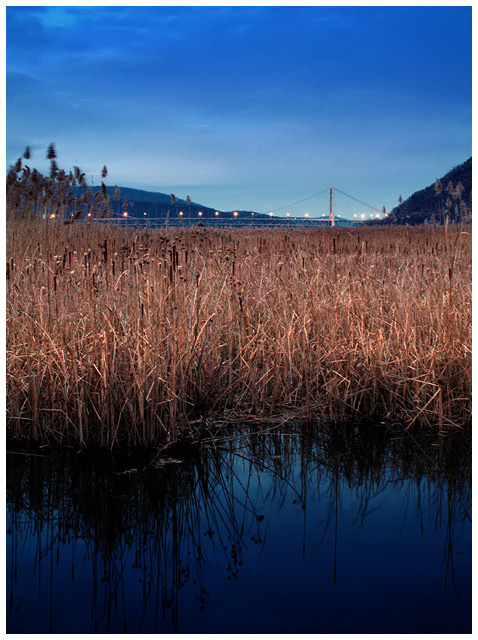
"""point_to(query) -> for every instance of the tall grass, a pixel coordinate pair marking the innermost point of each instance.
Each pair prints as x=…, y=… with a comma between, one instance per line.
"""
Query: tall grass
x=134, y=337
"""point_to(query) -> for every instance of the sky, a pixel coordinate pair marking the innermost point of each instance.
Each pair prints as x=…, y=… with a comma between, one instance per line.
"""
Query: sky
x=245, y=107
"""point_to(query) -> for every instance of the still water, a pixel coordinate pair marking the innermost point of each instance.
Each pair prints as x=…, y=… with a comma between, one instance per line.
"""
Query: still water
x=354, y=531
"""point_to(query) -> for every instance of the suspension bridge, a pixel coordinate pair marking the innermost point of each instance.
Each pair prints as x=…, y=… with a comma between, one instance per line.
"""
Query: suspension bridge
x=184, y=213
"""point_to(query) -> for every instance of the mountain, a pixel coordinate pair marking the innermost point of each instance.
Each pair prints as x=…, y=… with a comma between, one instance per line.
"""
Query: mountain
x=454, y=200
x=156, y=205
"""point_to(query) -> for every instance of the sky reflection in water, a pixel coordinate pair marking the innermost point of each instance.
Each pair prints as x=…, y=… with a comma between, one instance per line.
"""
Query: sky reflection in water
x=278, y=534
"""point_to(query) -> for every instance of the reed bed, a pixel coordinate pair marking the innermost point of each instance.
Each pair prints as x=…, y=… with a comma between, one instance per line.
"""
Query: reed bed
x=137, y=336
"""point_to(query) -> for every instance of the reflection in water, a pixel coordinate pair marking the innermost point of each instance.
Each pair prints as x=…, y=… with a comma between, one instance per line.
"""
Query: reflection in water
x=352, y=530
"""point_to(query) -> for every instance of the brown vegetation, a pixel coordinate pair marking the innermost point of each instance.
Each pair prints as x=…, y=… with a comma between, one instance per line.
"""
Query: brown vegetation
x=118, y=336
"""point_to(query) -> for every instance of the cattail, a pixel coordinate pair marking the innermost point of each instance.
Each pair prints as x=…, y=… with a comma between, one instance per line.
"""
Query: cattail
x=26, y=153
x=438, y=187
x=51, y=153
x=104, y=172
x=458, y=191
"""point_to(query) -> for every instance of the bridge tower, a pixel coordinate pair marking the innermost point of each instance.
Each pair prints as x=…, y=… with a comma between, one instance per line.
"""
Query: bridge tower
x=331, y=208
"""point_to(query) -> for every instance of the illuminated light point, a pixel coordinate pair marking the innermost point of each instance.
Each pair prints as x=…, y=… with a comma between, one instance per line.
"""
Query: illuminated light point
x=362, y=215
x=271, y=214
x=180, y=213
x=287, y=214
x=377, y=215
x=236, y=213
x=145, y=213
x=199, y=213
x=52, y=216
x=306, y=215
x=216, y=213
x=89, y=214
x=252, y=213
x=125, y=214
x=355, y=215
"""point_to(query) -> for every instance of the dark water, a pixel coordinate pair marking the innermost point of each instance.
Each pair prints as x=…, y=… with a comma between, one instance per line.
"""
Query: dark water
x=354, y=531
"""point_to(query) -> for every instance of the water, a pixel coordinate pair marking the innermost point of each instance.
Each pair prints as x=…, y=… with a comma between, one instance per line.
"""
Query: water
x=350, y=532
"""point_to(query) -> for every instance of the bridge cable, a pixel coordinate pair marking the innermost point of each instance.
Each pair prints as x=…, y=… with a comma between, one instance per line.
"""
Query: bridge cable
x=357, y=200
x=298, y=202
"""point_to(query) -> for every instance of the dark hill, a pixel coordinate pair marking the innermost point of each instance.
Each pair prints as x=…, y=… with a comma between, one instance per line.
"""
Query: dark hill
x=454, y=200
x=156, y=205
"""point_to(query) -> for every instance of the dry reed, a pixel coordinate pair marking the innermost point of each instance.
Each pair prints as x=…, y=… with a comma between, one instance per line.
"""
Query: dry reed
x=134, y=337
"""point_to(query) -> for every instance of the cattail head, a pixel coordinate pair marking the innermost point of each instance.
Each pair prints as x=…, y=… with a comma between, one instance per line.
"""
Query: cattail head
x=438, y=187
x=51, y=153
x=458, y=191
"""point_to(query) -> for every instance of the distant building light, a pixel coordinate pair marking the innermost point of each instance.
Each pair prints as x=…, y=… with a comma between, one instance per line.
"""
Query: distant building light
x=306, y=215
x=287, y=214
x=216, y=213
x=145, y=213
x=199, y=213
x=271, y=214
x=252, y=213
x=125, y=214
x=180, y=213
x=89, y=214
x=236, y=213
x=52, y=216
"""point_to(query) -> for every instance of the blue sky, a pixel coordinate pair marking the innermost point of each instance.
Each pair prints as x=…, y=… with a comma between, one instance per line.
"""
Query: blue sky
x=245, y=107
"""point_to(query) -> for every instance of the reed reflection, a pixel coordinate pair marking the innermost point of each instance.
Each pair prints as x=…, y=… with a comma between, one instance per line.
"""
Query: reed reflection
x=104, y=544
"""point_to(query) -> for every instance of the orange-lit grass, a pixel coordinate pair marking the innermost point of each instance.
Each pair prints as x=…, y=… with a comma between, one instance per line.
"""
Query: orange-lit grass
x=131, y=337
